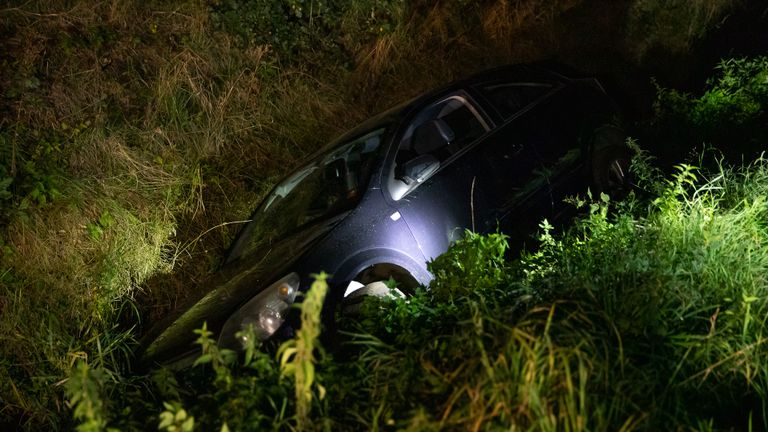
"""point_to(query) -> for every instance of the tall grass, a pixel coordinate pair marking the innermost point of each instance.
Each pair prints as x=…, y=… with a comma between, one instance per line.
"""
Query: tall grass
x=297, y=356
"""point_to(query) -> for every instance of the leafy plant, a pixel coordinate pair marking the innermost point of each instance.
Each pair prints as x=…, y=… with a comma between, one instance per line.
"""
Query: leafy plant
x=175, y=419
x=729, y=115
x=96, y=229
x=474, y=262
x=297, y=356
x=84, y=390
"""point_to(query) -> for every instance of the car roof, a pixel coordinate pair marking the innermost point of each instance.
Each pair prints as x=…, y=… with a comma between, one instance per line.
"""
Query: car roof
x=545, y=72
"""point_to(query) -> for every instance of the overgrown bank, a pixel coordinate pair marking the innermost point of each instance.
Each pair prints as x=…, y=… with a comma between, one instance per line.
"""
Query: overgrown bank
x=647, y=314
x=134, y=137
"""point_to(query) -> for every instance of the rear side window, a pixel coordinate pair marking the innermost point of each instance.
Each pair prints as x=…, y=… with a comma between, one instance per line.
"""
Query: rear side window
x=509, y=98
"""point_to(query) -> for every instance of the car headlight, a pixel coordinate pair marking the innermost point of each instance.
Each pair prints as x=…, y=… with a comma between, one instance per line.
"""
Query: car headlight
x=266, y=312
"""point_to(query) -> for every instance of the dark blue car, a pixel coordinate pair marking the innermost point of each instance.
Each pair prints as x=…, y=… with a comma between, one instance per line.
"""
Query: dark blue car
x=498, y=150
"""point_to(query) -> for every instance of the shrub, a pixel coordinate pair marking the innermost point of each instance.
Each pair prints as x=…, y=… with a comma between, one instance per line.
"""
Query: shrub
x=730, y=115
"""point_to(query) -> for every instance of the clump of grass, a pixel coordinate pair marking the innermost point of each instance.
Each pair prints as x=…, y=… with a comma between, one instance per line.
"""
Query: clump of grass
x=502, y=21
x=681, y=284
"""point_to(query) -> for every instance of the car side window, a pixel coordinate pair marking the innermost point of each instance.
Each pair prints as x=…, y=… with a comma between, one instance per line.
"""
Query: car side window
x=441, y=129
x=437, y=133
x=509, y=98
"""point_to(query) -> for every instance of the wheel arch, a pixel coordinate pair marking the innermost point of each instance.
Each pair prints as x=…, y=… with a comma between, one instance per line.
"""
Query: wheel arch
x=382, y=262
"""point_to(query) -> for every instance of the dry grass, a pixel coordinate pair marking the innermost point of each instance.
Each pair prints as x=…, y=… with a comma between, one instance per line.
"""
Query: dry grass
x=503, y=21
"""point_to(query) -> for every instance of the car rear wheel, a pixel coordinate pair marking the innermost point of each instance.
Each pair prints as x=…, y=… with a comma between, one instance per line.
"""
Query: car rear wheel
x=610, y=162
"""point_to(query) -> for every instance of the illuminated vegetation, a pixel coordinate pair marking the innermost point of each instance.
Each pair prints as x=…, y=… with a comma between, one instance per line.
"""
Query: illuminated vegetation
x=135, y=135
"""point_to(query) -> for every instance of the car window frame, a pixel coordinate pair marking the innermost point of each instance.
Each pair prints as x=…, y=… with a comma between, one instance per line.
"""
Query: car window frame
x=478, y=108
x=501, y=120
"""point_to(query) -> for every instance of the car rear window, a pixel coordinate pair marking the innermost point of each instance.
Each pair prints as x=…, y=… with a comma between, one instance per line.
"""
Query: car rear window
x=510, y=98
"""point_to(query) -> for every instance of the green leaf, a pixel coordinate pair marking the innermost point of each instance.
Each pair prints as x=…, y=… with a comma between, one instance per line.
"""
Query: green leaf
x=188, y=424
x=166, y=419
x=203, y=359
x=106, y=220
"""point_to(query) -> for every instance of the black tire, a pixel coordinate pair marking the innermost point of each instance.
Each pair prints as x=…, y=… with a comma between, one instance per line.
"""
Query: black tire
x=610, y=162
x=610, y=172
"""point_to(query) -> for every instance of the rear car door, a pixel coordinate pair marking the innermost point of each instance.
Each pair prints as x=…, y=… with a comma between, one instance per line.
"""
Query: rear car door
x=523, y=160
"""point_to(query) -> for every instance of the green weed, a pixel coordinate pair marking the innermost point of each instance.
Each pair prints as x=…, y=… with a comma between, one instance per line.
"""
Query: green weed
x=297, y=356
x=475, y=262
x=176, y=419
x=85, y=396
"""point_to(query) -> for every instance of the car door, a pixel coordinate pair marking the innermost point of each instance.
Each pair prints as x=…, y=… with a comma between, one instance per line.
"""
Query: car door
x=431, y=182
x=514, y=173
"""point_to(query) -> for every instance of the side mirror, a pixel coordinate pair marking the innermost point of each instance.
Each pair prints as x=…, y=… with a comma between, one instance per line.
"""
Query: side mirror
x=419, y=169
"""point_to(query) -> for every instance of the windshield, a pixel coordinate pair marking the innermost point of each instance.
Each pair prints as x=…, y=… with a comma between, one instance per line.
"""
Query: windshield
x=326, y=187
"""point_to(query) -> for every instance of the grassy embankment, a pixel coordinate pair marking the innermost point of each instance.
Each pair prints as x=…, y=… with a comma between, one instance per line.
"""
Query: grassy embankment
x=649, y=314
x=129, y=130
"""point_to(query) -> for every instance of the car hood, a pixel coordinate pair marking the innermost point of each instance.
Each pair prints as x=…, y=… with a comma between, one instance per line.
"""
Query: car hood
x=234, y=285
